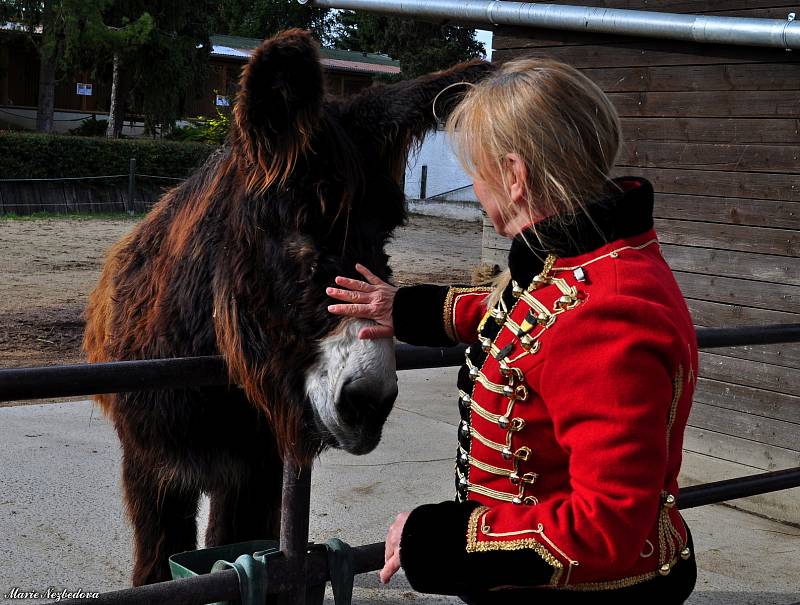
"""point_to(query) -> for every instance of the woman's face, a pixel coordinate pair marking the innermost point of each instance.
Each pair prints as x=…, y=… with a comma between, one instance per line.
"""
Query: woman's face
x=492, y=203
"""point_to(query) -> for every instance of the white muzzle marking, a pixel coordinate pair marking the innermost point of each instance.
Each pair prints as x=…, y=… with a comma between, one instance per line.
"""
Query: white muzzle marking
x=345, y=358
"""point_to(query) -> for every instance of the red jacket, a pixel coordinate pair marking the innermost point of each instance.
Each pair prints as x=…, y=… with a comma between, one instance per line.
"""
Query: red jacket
x=574, y=397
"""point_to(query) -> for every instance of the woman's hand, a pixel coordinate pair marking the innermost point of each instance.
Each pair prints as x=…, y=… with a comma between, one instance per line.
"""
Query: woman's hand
x=391, y=555
x=372, y=299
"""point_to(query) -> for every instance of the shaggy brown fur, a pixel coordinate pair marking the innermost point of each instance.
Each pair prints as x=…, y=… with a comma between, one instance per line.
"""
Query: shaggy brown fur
x=235, y=262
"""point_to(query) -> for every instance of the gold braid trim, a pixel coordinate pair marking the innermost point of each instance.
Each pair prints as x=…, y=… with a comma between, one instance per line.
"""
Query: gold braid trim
x=449, y=308
x=474, y=545
x=490, y=468
x=677, y=391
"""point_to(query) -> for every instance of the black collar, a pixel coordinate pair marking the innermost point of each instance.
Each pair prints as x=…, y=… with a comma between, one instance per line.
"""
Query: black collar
x=624, y=212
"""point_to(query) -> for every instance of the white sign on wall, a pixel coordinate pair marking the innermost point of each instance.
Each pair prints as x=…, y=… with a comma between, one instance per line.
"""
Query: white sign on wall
x=84, y=90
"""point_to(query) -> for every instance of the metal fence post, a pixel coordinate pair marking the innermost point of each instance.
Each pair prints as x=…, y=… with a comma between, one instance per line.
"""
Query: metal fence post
x=129, y=203
x=423, y=183
x=295, y=511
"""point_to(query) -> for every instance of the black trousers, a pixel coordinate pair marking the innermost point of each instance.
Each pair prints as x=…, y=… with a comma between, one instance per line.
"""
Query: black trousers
x=672, y=589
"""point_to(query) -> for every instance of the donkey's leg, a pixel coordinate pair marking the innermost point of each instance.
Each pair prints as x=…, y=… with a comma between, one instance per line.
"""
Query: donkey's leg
x=251, y=511
x=163, y=512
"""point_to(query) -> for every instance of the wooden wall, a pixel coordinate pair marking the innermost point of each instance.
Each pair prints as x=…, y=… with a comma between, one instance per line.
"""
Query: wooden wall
x=717, y=131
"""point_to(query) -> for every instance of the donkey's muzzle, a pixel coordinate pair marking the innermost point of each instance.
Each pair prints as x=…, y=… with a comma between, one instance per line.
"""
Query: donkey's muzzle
x=367, y=401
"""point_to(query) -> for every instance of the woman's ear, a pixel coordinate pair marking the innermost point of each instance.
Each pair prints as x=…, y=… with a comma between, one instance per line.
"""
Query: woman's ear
x=516, y=179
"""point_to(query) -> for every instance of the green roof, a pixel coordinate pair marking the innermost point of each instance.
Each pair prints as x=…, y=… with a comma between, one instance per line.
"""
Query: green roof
x=249, y=44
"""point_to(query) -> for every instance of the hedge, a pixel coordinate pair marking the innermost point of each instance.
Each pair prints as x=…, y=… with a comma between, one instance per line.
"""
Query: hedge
x=38, y=156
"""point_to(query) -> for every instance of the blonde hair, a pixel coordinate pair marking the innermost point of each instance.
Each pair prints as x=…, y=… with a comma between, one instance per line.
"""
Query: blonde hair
x=561, y=125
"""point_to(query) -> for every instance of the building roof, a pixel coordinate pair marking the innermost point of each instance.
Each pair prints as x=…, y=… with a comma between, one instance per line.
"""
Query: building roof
x=236, y=47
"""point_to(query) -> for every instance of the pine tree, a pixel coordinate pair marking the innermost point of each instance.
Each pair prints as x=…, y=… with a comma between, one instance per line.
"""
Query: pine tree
x=419, y=46
x=265, y=18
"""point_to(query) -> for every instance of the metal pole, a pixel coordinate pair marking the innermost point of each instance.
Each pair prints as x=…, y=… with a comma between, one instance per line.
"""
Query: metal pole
x=129, y=203
x=775, y=33
x=295, y=511
x=740, y=487
x=124, y=376
x=423, y=183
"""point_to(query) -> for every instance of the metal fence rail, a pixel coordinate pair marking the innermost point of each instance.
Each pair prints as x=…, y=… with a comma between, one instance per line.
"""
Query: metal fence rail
x=299, y=568
x=225, y=585
x=123, y=376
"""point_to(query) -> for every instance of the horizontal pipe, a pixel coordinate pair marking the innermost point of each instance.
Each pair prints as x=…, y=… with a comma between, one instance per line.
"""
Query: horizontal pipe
x=224, y=585
x=775, y=33
x=149, y=374
x=740, y=487
x=125, y=376
x=715, y=338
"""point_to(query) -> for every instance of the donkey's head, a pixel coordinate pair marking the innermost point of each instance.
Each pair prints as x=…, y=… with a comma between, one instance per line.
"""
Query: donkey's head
x=322, y=182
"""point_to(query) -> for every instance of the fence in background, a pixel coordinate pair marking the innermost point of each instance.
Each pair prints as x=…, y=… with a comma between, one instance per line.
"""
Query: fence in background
x=133, y=193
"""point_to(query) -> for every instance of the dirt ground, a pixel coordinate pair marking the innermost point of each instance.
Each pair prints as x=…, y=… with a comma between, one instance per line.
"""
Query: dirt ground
x=49, y=266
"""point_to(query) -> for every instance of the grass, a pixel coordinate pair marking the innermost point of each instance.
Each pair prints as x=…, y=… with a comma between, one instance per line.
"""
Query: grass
x=74, y=216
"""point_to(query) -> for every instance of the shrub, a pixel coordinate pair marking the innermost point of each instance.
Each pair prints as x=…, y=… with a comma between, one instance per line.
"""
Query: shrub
x=91, y=127
x=204, y=130
x=31, y=156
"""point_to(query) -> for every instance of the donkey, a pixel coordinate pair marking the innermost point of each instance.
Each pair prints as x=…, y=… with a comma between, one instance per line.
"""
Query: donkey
x=235, y=261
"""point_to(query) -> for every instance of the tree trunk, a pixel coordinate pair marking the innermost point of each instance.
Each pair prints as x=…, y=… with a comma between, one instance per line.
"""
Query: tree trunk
x=115, y=115
x=47, y=91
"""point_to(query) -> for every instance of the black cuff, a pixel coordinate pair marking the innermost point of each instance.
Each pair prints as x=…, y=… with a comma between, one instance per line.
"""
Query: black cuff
x=433, y=548
x=418, y=316
x=433, y=553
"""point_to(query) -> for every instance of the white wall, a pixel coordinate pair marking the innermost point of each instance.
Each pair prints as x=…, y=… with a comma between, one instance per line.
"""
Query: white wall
x=444, y=171
x=63, y=121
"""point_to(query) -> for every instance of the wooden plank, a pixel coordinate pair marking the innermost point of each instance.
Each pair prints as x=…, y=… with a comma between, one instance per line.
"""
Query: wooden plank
x=720, y=315
x=726, y=263
x=491, y=256
x=749, y=373
x=699, y=468
x=767, y=431
x=744, y=451
x=775, y=297
x=765, y=12
x=687, y=78
x=761, y=240
x=712, y=130
x=749, y=400
x=717, y=103
x=747, y=426
x=711, y=156
x=646, y=52
x=730, y=210
x=725, y=184
x=780, y=355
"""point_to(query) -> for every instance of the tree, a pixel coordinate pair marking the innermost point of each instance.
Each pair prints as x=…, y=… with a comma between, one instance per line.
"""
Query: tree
x=155, y=71
x=419, y=46
x=265, y=18
x=62, y=31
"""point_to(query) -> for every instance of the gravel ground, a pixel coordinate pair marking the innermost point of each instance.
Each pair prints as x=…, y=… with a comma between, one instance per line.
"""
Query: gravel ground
x=50, y=265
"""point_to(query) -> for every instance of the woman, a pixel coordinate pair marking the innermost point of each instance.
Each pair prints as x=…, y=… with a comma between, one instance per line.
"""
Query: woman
x=578, y=382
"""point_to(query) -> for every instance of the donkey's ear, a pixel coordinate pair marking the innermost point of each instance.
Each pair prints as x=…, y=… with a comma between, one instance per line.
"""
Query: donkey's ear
x=278, y=106
x=397, y=116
